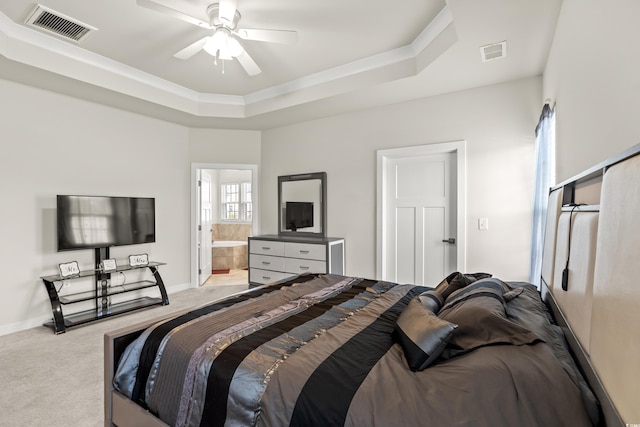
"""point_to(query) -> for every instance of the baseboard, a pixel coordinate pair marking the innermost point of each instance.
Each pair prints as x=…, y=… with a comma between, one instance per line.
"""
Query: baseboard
x=24, y=325
x=178, y=288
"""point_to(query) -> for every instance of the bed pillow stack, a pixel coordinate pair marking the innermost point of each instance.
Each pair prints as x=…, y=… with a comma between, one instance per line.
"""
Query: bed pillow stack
x=421, y=333
x=480, y=312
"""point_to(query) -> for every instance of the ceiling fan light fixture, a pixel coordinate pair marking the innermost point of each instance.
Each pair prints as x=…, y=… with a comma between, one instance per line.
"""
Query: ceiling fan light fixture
x=215, y=43
x=234, y=47
x=221, y=44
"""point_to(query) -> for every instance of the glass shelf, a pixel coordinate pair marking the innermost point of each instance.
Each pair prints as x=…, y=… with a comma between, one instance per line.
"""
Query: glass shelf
x=116, y=309
x=90, y=273
x=111, y=290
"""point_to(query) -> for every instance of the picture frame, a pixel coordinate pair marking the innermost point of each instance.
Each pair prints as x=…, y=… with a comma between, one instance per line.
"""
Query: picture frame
x=69, y=269
x=109, y=264
x=138, y=260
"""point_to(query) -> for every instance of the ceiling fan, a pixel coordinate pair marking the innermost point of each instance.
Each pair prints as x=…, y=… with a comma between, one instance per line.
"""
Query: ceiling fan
x=224, y=42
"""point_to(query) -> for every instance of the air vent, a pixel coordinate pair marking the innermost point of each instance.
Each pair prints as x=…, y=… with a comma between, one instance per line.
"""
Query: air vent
x=56, y=23
x=493, y=51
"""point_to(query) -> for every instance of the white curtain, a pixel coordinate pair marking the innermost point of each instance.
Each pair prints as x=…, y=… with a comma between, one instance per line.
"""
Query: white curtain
x=544, y=179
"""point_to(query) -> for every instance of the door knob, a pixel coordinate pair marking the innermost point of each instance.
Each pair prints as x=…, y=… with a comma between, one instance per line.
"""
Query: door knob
x=451, y=240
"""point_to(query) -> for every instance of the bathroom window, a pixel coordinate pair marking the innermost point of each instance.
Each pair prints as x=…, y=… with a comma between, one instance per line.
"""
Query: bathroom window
x=236, y=202
x=246, y=205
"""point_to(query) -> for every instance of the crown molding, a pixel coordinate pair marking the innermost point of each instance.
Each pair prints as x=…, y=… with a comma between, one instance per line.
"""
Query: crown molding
x=30, y=47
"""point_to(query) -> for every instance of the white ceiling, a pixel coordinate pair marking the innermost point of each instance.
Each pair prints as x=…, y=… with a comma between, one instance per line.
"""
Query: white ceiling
x=350, y=55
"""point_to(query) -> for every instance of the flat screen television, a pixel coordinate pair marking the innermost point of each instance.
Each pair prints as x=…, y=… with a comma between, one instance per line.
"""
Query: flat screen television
x=89, y=222
x=298, y=215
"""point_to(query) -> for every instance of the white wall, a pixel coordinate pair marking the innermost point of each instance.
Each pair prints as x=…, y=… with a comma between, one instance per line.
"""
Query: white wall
x=593, y=74
x=498, y=124
x=233, y=176
x=224, y=146
x=53, y=144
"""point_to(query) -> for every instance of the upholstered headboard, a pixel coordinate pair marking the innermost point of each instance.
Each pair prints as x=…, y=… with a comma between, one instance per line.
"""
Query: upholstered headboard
x=580, y=244
x=550, y=234
x=593, y=222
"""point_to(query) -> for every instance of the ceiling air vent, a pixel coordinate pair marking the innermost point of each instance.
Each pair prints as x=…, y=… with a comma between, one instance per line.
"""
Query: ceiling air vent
x=493, y=51
x=56, y=23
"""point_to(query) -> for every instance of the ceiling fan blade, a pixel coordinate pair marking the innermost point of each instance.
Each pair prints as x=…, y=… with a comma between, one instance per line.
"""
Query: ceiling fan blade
x=150, y=4
x=227, y=11
x=192, y=49
x=248, y=64
x=273, y=36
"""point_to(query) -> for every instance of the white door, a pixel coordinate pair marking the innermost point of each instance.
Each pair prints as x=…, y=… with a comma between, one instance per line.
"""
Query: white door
x=197, y=170
x=420, y=218
x=205, y=227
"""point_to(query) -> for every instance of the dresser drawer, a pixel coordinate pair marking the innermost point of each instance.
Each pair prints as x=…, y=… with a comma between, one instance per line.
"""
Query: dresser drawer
x=299, y=266
x=262, y=277
x=266, y=247
x=266, y=262
x=305, y=251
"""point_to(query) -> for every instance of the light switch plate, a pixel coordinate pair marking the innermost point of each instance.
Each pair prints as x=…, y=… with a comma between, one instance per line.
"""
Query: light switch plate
x=483, y=223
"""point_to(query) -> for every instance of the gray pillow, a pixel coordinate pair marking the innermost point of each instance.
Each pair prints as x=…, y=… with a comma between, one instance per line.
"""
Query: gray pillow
x=432, y=300
x=458, y=280
x=479, y=310
x=422, y=335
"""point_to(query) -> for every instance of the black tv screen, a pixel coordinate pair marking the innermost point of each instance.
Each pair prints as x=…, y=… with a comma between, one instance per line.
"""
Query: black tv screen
x=298, y=215
x=99, y=221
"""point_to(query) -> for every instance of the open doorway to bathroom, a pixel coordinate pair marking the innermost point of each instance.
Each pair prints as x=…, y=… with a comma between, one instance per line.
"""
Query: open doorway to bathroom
x=224, y=215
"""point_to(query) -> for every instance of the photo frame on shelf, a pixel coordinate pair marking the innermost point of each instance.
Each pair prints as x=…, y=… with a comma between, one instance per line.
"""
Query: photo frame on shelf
x=138, y=260
x=69, y=269
x=108, y=265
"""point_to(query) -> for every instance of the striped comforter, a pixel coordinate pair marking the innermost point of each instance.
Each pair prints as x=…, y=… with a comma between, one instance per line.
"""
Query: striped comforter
x=319, y=350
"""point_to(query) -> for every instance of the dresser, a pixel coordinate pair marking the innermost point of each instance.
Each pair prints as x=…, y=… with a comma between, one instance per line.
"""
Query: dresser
x=273, y=258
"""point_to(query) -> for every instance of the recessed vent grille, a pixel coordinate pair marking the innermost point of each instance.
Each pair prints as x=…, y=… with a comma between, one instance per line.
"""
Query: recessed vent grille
x=493, y=51
x=56, y=23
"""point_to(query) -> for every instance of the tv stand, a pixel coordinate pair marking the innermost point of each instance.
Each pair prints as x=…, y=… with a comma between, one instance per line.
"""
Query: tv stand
x=101, y=294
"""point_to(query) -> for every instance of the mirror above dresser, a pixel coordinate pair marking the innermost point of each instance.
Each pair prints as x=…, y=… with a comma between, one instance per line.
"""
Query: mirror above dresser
x=301, y=245
x=302, y=205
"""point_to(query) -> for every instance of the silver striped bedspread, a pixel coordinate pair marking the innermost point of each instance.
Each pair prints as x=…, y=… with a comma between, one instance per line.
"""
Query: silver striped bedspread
x=319, y=350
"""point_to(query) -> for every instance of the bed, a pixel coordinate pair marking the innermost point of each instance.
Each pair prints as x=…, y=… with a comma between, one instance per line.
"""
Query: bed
x=472, y=350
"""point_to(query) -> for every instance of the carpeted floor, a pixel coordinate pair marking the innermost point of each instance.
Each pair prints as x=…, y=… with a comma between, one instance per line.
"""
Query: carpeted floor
x=57, y=380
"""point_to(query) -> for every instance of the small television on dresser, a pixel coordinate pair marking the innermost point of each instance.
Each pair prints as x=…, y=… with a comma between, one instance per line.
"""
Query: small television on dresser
x=298, y=215
x=90, y=222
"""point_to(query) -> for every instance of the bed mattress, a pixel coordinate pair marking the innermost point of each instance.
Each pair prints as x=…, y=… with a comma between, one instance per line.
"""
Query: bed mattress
x=323, y=350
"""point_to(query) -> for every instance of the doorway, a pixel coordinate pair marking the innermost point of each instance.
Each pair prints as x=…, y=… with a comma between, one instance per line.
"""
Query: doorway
x=224, y=212
x=420, y=213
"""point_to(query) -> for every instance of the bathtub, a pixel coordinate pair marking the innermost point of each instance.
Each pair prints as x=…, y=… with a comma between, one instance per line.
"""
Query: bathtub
x=229, y=255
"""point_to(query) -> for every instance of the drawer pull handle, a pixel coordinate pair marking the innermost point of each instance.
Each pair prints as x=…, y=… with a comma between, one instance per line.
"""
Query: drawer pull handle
x=266, y=263
x=266, y=277
x=266, y=248
x=304, y=252
x=302, y=267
